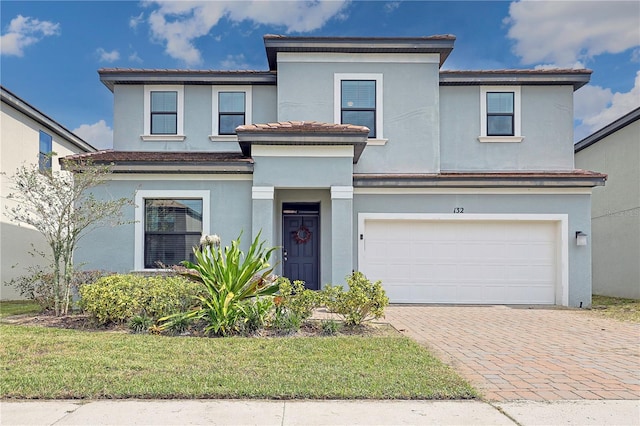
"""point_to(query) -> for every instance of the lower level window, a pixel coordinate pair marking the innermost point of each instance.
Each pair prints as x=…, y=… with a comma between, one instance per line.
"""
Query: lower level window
x=172, y=227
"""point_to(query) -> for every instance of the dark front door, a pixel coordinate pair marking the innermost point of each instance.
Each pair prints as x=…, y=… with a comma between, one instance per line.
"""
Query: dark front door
x=301, y=243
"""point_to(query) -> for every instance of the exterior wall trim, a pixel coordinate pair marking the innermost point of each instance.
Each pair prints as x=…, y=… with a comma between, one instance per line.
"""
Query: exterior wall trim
x=471, y=191
x=138, y=262
x=262, y=193
x=298, y=151
x=562, y=279
x=322, y=57
x=179, y=136
x=342, y=192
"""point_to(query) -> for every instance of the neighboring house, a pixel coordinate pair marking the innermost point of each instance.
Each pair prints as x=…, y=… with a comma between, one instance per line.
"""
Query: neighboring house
x=615, y=212
x=449, y=186
x=26, y=136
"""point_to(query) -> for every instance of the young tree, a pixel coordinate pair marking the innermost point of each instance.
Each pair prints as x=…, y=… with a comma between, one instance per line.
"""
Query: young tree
x=61, y=206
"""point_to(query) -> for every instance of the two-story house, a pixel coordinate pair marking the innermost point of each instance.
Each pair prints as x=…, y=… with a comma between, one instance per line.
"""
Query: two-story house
x=359, y=154
x=27, y=136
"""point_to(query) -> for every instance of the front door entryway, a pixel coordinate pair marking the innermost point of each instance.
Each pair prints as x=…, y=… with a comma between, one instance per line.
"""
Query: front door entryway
x=301, y=243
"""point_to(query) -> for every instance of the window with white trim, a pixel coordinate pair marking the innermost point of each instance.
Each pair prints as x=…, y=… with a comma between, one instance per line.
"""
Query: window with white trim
x=163, y=113
x=169, y=225
x=500, y=115
x=358, y=100
x=231, y=108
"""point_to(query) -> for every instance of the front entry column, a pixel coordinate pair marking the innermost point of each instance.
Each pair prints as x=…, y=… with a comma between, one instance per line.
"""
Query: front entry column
x=341, y=233
x=262, y=218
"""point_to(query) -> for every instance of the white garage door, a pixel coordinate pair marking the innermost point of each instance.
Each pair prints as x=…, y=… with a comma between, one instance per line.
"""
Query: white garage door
x=483, y=262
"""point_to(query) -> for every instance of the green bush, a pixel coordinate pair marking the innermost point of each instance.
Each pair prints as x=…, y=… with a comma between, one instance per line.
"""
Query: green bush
x=118, y=298
x=297, y=299
x=363, y=301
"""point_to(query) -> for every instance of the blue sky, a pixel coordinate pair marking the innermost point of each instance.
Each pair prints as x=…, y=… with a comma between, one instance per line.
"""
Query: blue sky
x=51, y=50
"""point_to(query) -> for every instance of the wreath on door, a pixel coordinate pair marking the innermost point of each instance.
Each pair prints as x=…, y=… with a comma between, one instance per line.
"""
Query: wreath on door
x=302, y=235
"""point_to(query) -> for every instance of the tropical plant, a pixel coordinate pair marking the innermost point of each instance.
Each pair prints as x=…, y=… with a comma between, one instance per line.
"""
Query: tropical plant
x=256, y=313
x=363, y=301
x=230, y=278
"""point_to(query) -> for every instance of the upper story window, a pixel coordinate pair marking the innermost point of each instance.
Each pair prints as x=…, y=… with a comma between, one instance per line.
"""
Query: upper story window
x=358, y=100
x=163, y=113
x=46, y=147
x=231, y=108
x=500, y=115
x=231, y=111
x=358, y=104
x=168, y=225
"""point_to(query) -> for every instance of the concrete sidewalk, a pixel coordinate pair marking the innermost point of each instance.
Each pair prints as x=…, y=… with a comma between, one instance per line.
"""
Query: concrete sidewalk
x=241, y=412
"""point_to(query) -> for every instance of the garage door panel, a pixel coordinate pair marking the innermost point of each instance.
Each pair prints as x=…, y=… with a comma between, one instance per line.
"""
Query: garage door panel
x=424, y=261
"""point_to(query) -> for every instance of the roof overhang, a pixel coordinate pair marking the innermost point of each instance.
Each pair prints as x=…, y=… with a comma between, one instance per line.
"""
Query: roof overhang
x=112, y=76
x=30, y=111
x=568, y=179
x=560, y=77
x=440, y=44
x=613, y=127
x=303, y=133
x=163, y=162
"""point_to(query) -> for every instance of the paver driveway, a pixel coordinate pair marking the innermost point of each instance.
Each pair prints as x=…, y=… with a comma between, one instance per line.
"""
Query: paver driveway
x=544, y=354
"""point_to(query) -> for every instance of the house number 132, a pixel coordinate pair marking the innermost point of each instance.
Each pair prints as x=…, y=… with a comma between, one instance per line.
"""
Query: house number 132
x=458, y=209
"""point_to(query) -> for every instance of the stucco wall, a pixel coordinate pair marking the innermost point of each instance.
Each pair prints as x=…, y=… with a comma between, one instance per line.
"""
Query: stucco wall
x=128, y=113
x=112, y=248
x=576, y=206
x=409, y=106
x=547, y=127
x=616, y=212
x=19, y=144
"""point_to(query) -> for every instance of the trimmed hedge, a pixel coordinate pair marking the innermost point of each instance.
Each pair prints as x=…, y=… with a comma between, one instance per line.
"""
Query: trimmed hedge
x=118, y=298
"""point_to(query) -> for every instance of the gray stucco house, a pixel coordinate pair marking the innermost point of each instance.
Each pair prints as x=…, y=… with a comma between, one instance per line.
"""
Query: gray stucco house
x=615, y=215
x=358, y=154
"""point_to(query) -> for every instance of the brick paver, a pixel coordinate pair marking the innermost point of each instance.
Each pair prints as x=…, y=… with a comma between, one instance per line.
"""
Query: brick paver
x=542, y=354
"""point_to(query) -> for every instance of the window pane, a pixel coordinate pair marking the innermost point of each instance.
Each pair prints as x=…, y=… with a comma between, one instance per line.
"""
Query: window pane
x=169, y=249
x=361, y=118
x=172, y=228
x=358, y=94
x=164, y=124
x=500, y=125
x=500, y=102
x=231, y=102
x=44, y=158
x=173, y=215
x=164, y=101
x=229, y=122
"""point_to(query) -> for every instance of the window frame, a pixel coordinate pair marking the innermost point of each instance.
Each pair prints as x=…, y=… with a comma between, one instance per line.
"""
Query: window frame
x=139, y=216
x=179, y=135
x=338, y=78
x=517, y=115
x=215, y=116
x=44, y=158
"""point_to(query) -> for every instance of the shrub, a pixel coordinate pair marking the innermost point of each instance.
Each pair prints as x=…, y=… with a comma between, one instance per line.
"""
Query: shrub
x=118, y=298
x=286, y=322
x=140, y=323
x=363, y=301
x=330, y=327
x=38, y=285
x=256, y=313
x=297, y=299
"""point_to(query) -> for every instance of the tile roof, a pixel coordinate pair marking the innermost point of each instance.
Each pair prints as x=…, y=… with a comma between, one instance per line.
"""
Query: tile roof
x=302, y=127
x=107, y=156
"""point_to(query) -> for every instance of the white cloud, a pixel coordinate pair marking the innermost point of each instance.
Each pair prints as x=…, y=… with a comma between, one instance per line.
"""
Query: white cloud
x=25, y=31
x=133, y=57
x=97, y=134
x=565, y=32
x=234, y=62
x=105, y=56
x=134, y=21
x=595, y=107
x=391, y=6
x=178, y=24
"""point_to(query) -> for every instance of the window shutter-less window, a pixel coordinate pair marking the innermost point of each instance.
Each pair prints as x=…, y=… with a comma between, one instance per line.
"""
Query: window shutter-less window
x=164, y=113
x=500, y=114
x=358, y=104
x=231, y=109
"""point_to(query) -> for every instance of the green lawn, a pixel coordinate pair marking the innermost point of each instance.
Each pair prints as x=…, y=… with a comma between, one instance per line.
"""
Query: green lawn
x=616, y=307
x=16, y=307
x=38, y=362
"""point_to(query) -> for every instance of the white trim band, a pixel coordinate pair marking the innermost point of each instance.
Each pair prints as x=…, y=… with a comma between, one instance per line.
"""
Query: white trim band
x=342, y=192
x=262, y=192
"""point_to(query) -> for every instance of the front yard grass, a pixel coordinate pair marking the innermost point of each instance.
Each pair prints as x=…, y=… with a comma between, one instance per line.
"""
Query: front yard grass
x=616, y=307
x=39, y=362
x=16, y=307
